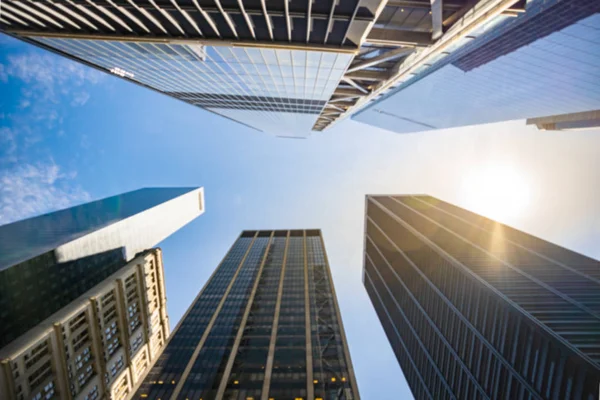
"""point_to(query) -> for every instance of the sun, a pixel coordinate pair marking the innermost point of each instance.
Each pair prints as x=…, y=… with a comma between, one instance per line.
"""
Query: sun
x=499, y=192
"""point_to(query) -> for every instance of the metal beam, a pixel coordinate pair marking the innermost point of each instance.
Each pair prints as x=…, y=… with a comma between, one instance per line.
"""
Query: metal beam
x=288, y=21
x=348, y=92
x=247, y=18
x=483, y=12
x=182, y=40
x=391, y=37
x=355, y=85
x=390, y=55
x=350, y=98
x=330, y=21
x=271, y=354
x=363, y=75
x=249, y=9
x=351, y=21
x=267, y=18
x=423, y=4
x=459, y=13
x=310, y=386
x=335, y=107
x=308, y=20
x=436, y=19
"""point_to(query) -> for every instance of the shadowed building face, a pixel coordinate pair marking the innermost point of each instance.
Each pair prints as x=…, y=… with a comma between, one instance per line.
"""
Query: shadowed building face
x=476, y=309
x=50, y=260
x=265, y=326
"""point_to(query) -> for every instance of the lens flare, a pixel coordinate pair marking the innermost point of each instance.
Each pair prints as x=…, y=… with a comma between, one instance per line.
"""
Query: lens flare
x=498, y=192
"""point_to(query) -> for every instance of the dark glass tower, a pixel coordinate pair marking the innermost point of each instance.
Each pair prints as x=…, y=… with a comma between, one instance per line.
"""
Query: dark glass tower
x=265, y=326
x=475, y=309
x=50, y=260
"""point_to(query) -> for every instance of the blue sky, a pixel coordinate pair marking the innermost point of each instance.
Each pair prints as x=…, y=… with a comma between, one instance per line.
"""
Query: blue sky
x=69, y=134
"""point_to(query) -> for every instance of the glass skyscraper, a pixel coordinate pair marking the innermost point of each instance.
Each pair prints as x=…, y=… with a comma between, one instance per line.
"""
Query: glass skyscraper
x=271, y=66
x=48, y=261
x=475, y=309
x=265, y=326
x=541, y=63
x=281, y=67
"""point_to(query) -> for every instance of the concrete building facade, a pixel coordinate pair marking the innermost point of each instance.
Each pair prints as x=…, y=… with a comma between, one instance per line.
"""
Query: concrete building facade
x=99, y=346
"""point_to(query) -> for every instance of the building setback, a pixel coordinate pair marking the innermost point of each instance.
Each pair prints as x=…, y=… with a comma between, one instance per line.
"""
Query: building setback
x=567, y=122
x=50, y=260
x=97, y=347
x=270, y=66
x=476, y=309
x=543, y=62
x=265, y=326
x=280, y=67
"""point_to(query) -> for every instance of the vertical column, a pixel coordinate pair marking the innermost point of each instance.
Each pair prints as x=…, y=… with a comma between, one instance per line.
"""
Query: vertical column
x=194, y=356
x=240, y=333
x=310, y=389
x=93, y=321
x=338, y=316
x=7, y=380
x=273, y=340
x=288, y=374
x=62, y=374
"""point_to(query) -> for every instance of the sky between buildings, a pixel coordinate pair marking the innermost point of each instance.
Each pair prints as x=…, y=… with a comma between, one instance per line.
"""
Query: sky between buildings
x=69, y=134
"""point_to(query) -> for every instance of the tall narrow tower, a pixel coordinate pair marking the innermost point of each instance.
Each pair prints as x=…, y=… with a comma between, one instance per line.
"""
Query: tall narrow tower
x=476, y=309
x=265, y=326
x=50, y=260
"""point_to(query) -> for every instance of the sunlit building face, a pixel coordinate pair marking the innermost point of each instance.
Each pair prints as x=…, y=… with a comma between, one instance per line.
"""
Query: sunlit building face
x=476, y=309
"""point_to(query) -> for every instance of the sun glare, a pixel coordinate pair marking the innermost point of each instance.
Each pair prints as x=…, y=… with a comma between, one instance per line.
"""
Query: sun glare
x=498, y=192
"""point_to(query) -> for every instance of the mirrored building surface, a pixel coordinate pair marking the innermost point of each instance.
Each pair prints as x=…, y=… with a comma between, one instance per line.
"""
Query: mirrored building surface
x=541, y=63
x=50, y=260
x=269, y=65
x=476, y=309
x=265, y=326
x=281, y=67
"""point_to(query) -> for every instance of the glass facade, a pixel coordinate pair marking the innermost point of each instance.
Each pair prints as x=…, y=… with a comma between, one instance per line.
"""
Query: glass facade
x=265, y=326
x=476, y=309
x=23, y=240
x=275, y=90
x=48, y=261
x=541, y=63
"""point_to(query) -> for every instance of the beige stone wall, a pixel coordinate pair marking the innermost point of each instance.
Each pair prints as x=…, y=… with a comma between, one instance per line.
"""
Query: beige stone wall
x=96, y=347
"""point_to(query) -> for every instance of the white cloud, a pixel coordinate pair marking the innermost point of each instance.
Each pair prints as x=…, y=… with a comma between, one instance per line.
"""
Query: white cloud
x=49, y=72
x=80, y=98
x=50, y=76
x=32, y=189
x=3, y=74
x=8, y=145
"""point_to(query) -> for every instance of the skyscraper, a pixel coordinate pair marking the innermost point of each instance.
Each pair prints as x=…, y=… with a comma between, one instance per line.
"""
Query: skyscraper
x=281, y=67
x=476, y=309
x=543, y=62
x=48, y=261
x=271, y=66
x=99, y=346
x=265, y=326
